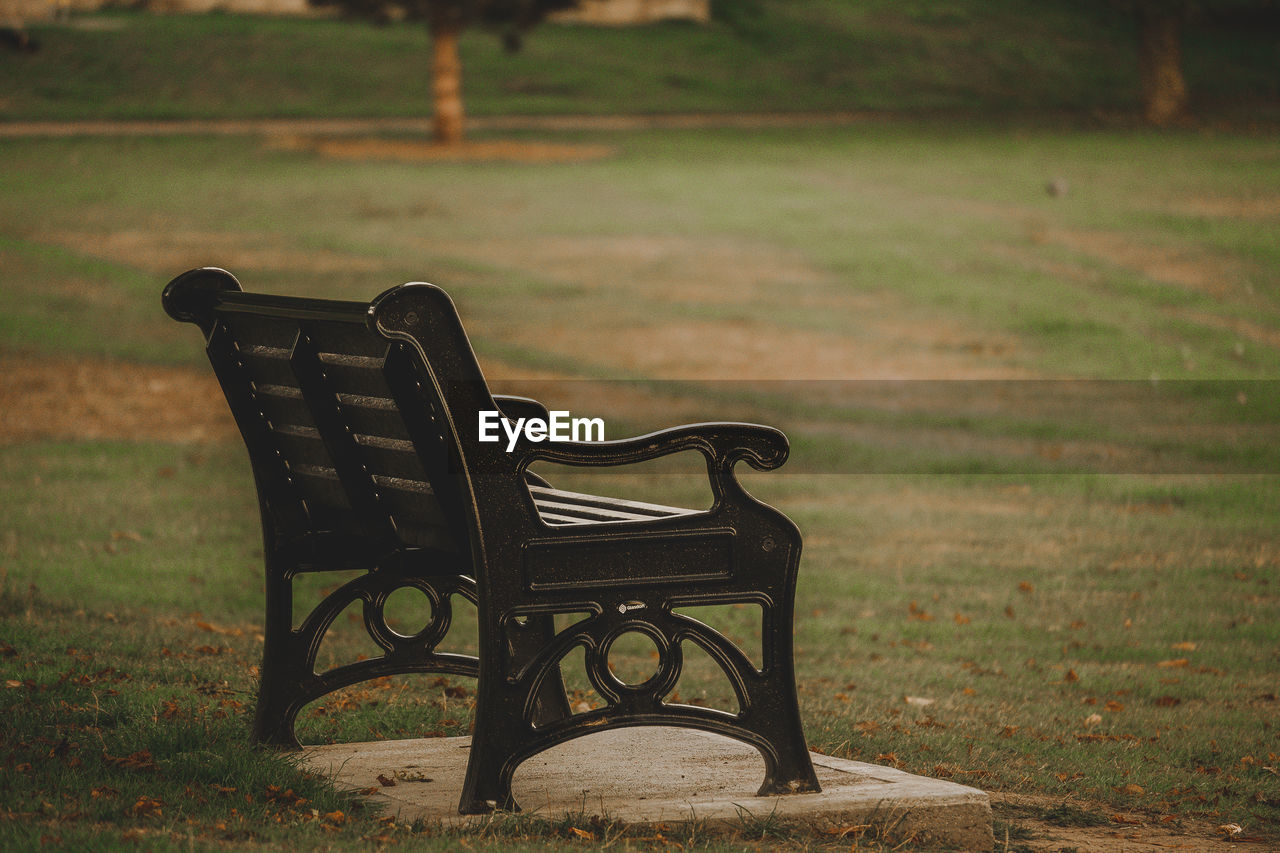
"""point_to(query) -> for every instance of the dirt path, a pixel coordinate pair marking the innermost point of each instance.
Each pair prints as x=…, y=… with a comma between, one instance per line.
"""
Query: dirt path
x=65, y=399
x=1037, y=824
x=355, y=126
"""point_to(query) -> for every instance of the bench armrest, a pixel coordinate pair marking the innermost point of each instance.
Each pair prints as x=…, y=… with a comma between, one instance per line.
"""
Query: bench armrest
x=722, y=444
x=761, y=447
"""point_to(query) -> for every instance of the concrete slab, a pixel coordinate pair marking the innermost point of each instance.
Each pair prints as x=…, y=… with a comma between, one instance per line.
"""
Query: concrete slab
x=664, y=775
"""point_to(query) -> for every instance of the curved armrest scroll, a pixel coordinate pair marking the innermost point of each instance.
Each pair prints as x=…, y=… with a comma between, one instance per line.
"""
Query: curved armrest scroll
x=190, y=296
x=723, y=444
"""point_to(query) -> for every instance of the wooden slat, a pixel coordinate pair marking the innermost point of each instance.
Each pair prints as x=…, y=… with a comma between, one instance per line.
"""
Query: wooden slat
x=355, y=375
x=560, y=520
x=260, y=331
x=267, y=365
x=560, y=507
x=283, y=409
x=588, y=513
x=319, y=486
x=363, y=498
x=377, y=422
x=302, y=446
x=225, y=354
x=639, y=508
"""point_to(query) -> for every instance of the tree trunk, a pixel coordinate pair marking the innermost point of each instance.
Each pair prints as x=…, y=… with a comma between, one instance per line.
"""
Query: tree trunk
x=1164, y=90
x=446, y=79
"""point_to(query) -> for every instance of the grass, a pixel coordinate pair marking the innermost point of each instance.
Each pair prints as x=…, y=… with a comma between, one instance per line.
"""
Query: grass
x=1068, y=568
x=995, y=57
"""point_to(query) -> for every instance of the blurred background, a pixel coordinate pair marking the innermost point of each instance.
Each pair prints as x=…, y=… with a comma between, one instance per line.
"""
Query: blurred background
x=1007, y=273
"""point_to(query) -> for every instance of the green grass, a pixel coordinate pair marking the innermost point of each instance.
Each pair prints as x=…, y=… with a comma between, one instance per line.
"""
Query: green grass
x=1125, y=278
x=1015, y=607
x=139, y=741
x=994, y=57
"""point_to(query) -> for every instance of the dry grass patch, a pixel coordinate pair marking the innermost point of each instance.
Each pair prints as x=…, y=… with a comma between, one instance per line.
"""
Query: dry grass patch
x=165, y=252
x=1224, y=207
x=59, y=398
x=668, y=268
x=422, y=150
x=1192, y=269
x=1037, y=824
x=690, y=349
x=45, y=398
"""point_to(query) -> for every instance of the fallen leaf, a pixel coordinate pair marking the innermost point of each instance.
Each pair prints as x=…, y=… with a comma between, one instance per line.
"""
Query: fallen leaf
x=273, y=794
x=386, y=782
x=582, y=833
x=918, y=701
x=1093, y=719
x=140, y=760
x=1168, y=701
x=218, y=629
x=1129, y=820
x=1131, y=790
x=1184, y=647
x=1114, y=706
x=916, y=613
x=1024, y=586
x=1071, y=676
x=1173, y=664
x=1231, y=830
x=146, y=806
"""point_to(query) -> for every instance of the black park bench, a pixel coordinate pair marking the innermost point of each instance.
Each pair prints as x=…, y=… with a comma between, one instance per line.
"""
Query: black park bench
x=362, y=427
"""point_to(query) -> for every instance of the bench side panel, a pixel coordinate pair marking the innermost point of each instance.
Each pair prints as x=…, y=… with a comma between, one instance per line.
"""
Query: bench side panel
x=331, y=450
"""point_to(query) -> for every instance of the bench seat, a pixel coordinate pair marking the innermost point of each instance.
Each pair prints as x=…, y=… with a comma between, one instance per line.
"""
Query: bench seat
x=558, y=507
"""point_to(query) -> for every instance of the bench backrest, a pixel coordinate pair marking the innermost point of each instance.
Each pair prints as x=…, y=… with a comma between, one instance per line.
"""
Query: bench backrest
x=347, y=431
